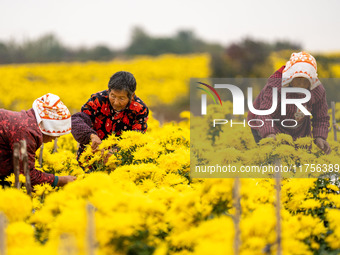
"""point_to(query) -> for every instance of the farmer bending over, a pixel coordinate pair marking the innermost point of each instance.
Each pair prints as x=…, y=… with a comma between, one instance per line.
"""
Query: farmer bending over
x=300, y=71
x=110, y=112
x=48, y=119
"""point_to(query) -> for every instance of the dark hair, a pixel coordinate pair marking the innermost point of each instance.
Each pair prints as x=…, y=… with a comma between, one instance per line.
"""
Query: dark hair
x=123, y=81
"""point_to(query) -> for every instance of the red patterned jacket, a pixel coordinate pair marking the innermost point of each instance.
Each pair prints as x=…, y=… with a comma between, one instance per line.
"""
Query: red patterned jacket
x=317, y=106
x=16, y=126
x=98, y=117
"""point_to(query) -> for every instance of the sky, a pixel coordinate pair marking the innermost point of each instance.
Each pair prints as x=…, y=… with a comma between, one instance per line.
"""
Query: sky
x=314, y=24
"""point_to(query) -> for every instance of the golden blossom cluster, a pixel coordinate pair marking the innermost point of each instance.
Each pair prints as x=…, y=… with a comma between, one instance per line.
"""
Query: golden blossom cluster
x=150, y=204
x=142, y=200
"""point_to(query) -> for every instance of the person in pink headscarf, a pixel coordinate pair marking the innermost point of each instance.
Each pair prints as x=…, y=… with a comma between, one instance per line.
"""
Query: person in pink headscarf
x=48, y=119
x=301, y=72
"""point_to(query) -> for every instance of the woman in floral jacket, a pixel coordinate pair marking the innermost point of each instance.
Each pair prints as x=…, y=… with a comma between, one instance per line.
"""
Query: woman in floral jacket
x=110, y=112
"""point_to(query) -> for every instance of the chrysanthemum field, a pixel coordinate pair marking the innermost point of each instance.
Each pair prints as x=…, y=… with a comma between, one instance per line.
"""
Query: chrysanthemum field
x=143, y=200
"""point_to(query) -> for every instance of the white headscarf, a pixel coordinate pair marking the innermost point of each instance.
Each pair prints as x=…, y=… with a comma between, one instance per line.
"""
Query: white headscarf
x=301, y=64
x=53, y=117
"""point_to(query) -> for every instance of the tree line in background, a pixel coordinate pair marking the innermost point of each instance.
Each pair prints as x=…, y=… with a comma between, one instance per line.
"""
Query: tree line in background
x=247, y=58
x=235, y=59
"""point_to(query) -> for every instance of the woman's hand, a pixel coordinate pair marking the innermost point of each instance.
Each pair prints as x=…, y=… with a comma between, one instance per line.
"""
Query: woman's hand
x=271, y=136
x=323, y=145
x=62, y=180
x=106, y=158
x=95, y=141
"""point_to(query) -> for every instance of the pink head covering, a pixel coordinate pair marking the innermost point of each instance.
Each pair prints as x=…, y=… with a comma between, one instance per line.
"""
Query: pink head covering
x=53, y=117
x=301, y=64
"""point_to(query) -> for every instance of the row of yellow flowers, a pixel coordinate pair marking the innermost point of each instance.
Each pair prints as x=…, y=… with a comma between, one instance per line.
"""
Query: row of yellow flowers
x=159, y=79
x=146, y=202
x=143, y=197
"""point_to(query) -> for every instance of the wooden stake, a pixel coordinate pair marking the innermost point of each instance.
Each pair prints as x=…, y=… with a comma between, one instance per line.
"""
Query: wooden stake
x=90, y=235
x=334, y=120
x=2, y=234
x=24, y=158
x=237, y=216
x=277, y=162
x=55, y=147
x=16, y=164
x=41, y=155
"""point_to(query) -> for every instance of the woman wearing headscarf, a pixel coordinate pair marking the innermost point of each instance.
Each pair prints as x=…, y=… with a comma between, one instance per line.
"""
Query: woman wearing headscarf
x=48, y=119
x=300, y=71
